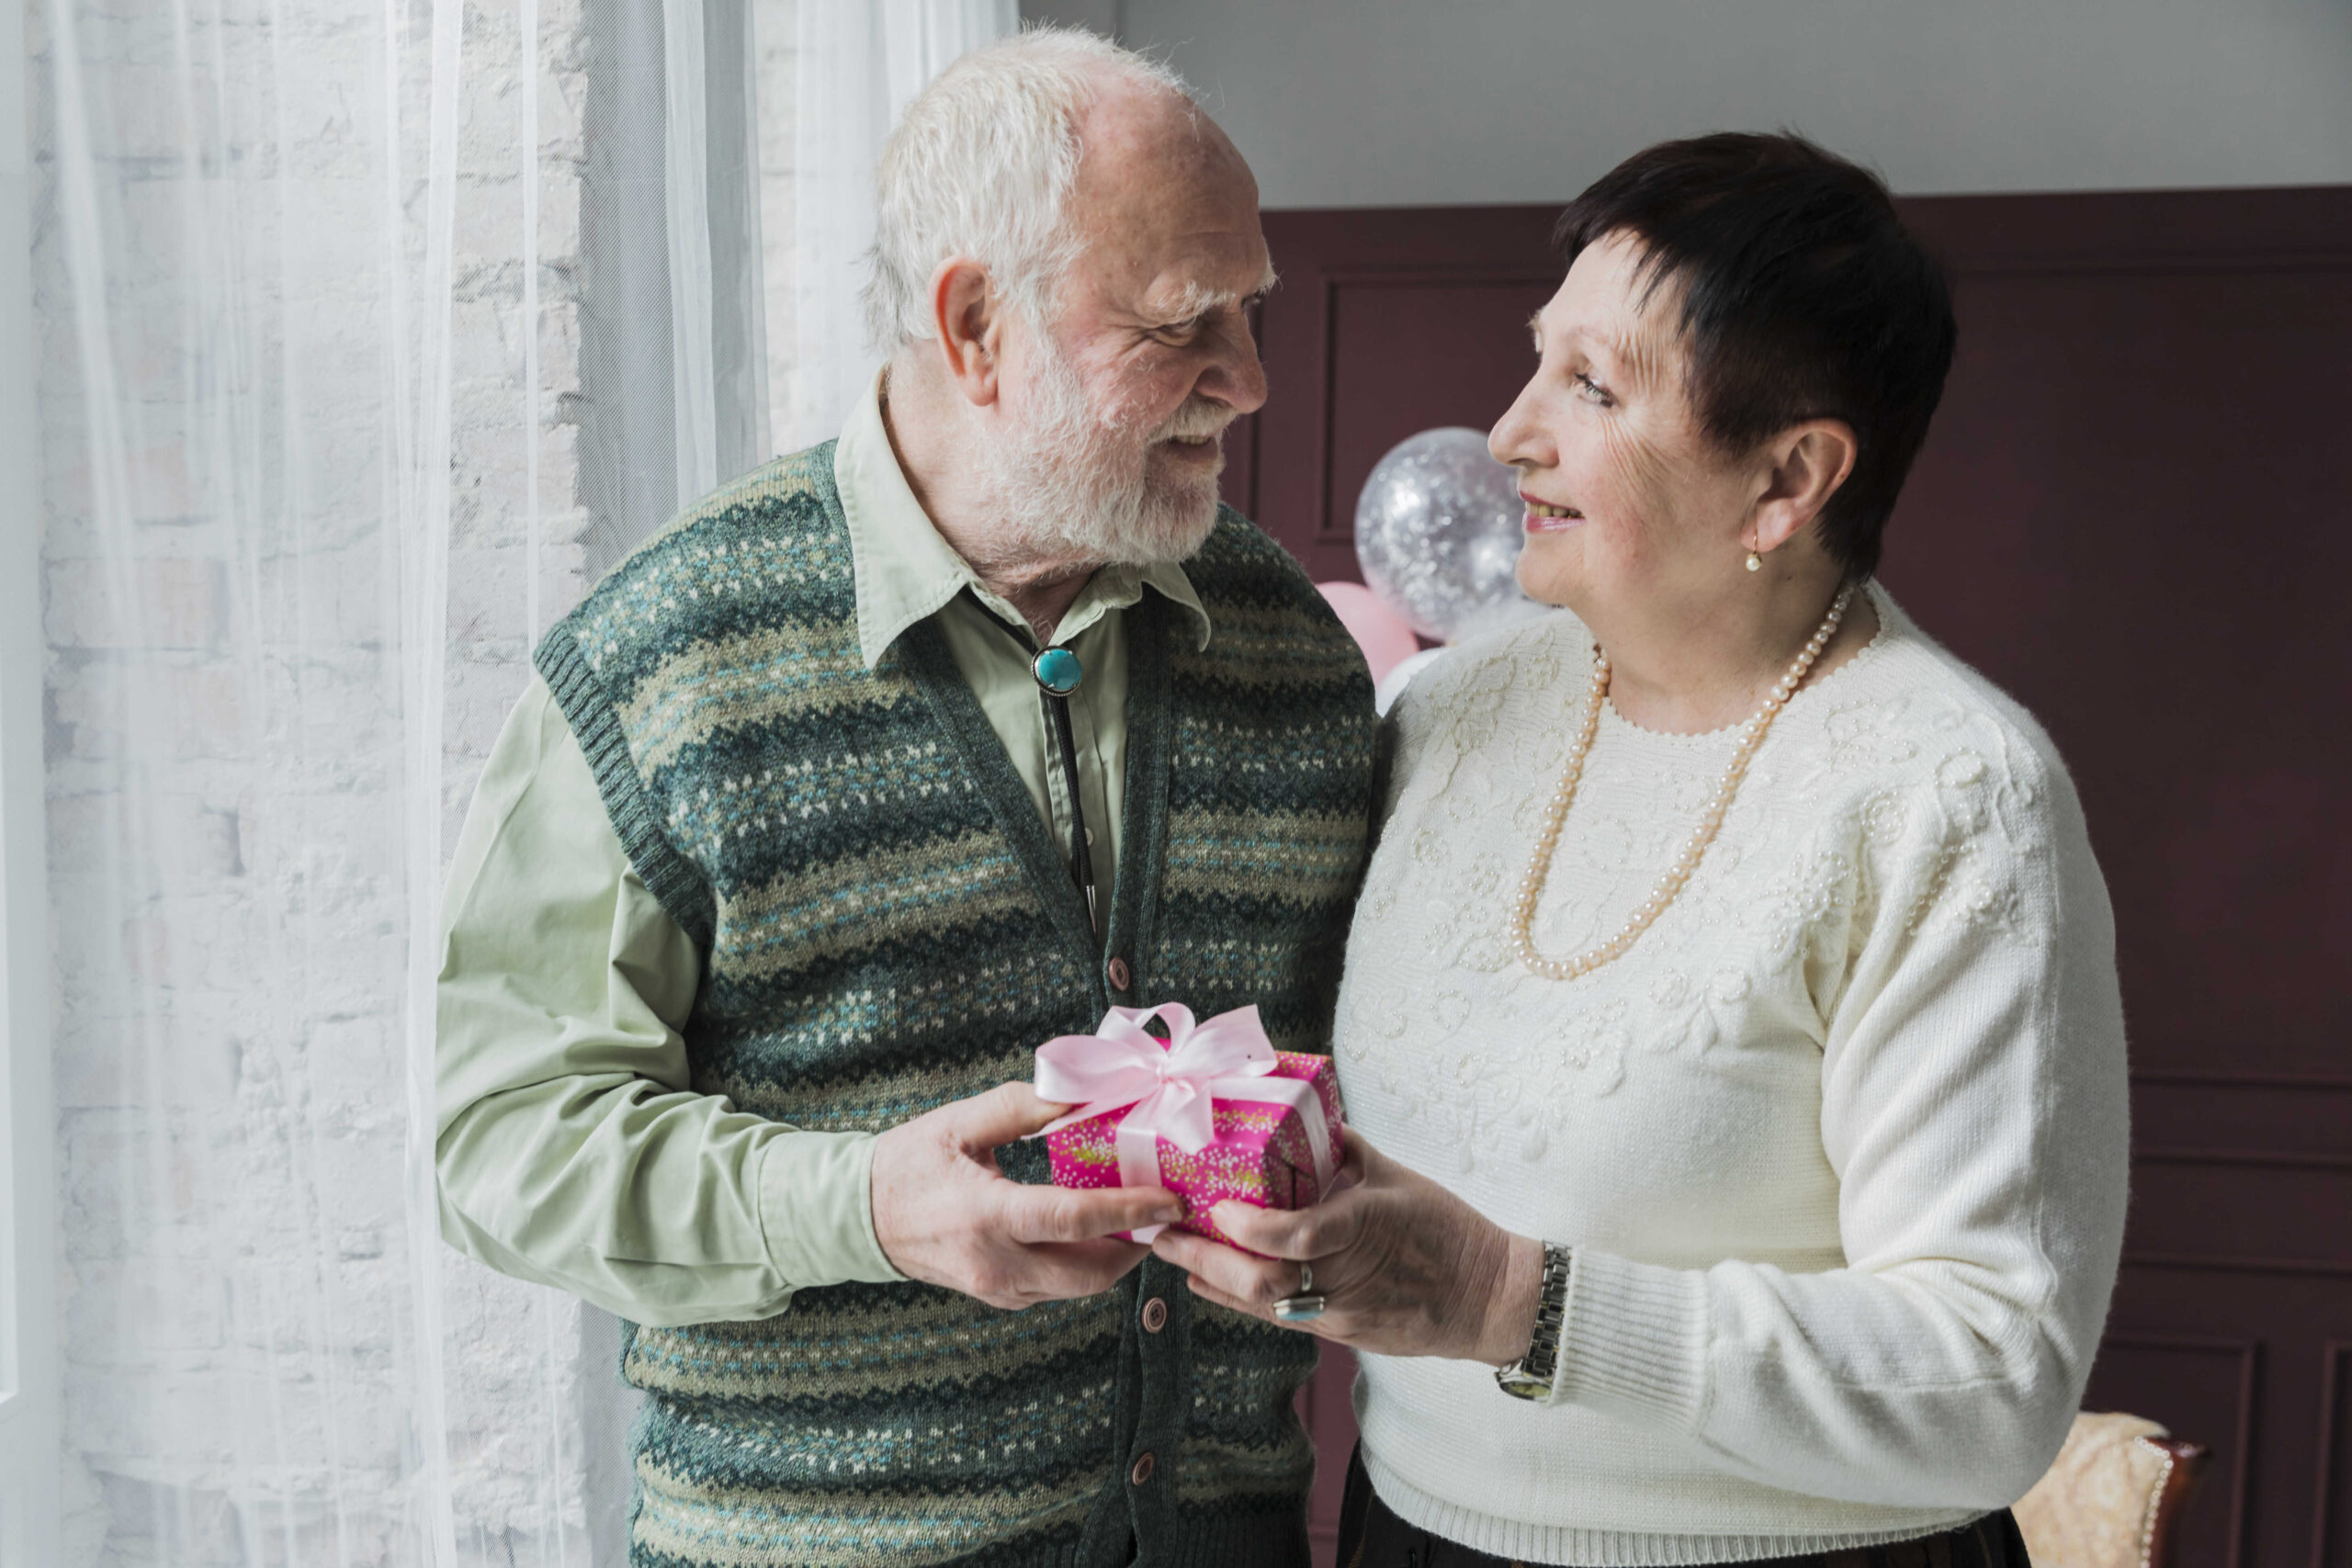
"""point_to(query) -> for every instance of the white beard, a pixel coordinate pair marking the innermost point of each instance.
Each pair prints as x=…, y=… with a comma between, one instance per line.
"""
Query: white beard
x=1074, y=481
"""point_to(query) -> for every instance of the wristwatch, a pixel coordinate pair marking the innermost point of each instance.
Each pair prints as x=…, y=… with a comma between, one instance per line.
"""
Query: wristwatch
x=1530, y=1376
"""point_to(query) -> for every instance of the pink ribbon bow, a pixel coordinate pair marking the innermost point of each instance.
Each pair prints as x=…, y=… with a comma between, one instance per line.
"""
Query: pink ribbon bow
x=1172, y=1086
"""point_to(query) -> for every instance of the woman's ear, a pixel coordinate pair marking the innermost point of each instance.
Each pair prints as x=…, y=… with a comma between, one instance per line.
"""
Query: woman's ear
x=968, y=323
x=1808, y=462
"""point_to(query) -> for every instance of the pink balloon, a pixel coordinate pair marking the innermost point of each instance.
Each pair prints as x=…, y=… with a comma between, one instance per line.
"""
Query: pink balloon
x=1381, y=632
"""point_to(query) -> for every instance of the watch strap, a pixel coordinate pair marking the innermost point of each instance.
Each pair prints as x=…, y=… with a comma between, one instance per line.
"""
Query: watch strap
x=1531, y=1376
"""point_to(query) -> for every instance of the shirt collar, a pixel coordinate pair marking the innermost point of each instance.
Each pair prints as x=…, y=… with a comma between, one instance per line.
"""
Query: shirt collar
x=905, y=572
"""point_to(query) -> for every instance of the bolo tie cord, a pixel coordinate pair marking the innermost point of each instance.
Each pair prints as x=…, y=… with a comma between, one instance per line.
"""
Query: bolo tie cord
x=1058, y=675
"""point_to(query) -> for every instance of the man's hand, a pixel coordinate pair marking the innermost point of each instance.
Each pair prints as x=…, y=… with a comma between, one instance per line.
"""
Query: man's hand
x=945, y=1216
x=1407, y=1267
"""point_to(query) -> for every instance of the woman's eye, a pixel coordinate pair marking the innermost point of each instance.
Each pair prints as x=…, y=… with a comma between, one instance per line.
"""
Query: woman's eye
x=1593, y=391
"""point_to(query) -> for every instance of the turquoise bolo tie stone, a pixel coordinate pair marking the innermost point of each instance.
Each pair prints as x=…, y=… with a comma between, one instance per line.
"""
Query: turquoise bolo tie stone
x=1059, y=670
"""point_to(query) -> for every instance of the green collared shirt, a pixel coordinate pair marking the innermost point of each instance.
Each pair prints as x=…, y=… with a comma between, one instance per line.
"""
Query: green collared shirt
x=572, y=1148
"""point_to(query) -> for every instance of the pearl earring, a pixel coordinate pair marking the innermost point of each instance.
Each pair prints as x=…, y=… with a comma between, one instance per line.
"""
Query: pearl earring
x=1755, y=562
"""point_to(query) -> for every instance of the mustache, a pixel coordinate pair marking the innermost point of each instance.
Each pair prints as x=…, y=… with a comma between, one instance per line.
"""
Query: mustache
x=1198, y=417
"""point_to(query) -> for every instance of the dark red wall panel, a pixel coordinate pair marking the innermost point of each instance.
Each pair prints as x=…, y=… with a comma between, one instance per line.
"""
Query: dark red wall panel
x=1385, y=322
x=2334, y=1508
x=2134, y=512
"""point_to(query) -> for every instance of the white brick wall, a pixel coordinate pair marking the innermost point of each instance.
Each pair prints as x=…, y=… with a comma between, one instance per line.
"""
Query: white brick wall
x=225, y=770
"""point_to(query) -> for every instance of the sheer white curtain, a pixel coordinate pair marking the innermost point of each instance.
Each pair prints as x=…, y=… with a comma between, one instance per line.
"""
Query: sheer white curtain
x=287, y=273
x=369, y=331
x=29, y=1342
x=858, y=66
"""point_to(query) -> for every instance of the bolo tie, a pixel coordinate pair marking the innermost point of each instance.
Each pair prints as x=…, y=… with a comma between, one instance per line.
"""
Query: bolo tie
x=1058, y=675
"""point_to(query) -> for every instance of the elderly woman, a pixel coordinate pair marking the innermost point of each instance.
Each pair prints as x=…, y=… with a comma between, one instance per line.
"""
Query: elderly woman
x=1730, y=1031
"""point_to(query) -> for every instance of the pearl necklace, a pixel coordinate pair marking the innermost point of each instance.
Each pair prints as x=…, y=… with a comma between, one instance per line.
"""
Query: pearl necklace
x=1711, y=821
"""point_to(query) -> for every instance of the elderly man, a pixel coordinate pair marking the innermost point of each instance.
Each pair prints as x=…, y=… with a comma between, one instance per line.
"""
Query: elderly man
x=871, y=773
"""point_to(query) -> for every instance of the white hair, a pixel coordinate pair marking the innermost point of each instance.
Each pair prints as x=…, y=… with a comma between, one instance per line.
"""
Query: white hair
x=981, y=166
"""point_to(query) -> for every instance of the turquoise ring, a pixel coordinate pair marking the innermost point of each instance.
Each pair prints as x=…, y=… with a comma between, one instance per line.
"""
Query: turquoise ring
x=1304, y=1306
x=1057, y=670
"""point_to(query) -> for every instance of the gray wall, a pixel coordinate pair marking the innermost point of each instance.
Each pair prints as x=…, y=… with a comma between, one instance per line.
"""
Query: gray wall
x=1364, y=102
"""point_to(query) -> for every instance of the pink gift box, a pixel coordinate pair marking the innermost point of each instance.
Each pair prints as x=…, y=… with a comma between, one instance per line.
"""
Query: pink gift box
x=1261, y=1143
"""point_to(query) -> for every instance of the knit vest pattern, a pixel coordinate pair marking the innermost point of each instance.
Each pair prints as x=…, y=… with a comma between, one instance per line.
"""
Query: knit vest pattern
x=886, y=926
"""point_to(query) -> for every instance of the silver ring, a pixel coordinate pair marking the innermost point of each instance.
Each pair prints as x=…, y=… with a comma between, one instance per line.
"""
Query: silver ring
x=1304, y=1306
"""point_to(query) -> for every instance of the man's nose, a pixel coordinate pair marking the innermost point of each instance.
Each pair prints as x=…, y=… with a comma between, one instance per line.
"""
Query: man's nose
x=1236, y=379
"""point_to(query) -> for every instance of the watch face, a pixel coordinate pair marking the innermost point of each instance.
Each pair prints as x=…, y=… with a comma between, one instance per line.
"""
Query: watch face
x=1519, y=1385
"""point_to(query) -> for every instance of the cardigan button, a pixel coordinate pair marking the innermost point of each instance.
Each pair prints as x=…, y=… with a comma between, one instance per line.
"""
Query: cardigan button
x=1120, y=975
x=1155, y=1316
x=1142, y=1471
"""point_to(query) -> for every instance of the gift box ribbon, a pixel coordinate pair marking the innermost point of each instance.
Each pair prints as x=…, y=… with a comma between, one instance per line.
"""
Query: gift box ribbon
x=1173, y=1085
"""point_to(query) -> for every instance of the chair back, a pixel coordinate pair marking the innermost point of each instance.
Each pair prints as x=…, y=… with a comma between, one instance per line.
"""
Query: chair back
x=2114, y=1496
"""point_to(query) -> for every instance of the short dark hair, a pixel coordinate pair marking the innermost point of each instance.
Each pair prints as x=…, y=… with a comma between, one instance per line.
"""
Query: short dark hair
x=1803, y=298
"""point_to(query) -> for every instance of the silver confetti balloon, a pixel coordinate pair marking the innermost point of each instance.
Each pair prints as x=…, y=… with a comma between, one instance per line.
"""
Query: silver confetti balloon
x=1438, y=534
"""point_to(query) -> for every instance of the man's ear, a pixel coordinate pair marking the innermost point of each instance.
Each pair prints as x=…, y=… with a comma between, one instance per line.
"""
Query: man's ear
x=967, y=322
x=1806, y=464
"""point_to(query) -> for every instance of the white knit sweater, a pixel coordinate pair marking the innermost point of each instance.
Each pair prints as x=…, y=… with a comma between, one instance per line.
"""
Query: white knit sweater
x=1840, y=1143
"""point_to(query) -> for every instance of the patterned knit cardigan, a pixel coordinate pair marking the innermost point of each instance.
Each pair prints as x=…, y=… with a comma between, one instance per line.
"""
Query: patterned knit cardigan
x=887, y=926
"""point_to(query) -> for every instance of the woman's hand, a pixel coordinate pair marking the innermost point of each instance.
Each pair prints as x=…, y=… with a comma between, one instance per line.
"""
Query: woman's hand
x=1405, y=1267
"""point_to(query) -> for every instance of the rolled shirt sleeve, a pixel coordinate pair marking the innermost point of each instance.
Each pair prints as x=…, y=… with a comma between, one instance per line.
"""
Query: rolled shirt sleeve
x=571, y=1147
